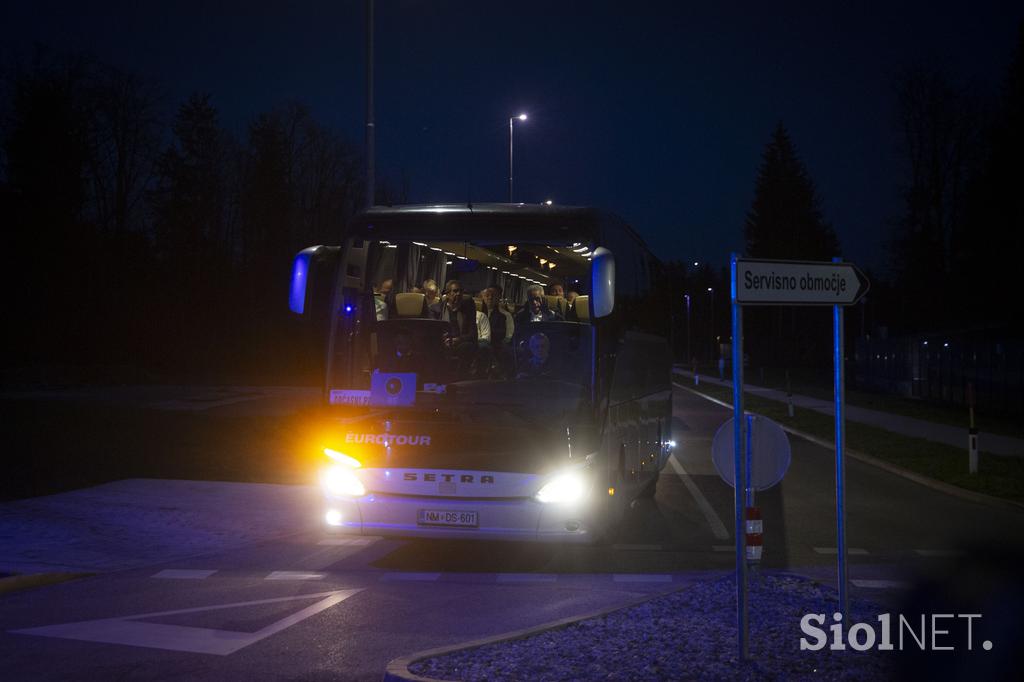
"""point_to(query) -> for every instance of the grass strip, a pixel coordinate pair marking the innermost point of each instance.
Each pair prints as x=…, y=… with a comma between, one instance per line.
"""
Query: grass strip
x=997, y=476
x=17, y=583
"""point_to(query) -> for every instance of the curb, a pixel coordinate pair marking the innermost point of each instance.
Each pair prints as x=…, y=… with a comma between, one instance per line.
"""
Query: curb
x=398, y=669
x=920, y=479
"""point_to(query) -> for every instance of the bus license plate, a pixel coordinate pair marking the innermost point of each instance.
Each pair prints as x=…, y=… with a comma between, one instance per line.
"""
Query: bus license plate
x=438, y=517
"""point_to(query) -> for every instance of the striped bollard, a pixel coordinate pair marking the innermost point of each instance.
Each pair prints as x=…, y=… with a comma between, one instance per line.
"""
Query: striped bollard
x=754, y=531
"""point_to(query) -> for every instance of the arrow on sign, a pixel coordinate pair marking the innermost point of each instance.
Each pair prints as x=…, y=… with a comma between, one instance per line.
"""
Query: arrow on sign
x=764, y=282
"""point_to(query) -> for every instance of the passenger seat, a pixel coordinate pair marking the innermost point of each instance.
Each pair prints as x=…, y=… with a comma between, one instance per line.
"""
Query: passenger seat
x=582, y=307
x=411, y=305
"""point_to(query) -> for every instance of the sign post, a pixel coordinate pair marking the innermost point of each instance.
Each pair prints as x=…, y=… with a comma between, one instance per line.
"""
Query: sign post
x=739, y=466
x=762, y=282
x=840, y=400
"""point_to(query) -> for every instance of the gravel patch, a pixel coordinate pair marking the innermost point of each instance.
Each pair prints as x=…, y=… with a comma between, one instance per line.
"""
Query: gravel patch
x=690, y=634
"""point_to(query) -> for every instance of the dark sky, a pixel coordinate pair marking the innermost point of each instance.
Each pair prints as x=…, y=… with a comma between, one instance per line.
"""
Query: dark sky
x=658, y=111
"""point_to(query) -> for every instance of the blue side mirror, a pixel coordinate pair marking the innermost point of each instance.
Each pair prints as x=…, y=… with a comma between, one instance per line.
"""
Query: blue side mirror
x=297, y=295
x=602, y=282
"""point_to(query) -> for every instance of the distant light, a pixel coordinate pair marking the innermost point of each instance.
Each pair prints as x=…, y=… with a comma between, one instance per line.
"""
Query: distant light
x=710, y=290
x=695, y=263
x=611, y=491
x=548, y=202
x=672, y=444
x=521, y=117
x=925, y=343
x=333, y=517
x=946, y=345
x=349, y=308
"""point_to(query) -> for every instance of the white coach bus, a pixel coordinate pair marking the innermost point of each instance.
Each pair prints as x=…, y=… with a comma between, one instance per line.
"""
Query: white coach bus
x=547, y=432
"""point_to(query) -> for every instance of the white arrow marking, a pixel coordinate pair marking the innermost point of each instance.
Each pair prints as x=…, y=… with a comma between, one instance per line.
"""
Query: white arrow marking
x=129, y=630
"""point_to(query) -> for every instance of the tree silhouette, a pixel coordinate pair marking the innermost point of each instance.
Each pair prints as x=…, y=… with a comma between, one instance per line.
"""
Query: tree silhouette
x=939, y=137
x=785, y=219
x=994, y=225
x=785, y=222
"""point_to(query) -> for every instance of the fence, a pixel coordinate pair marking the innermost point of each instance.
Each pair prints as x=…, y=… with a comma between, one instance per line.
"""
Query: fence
x=938, y=367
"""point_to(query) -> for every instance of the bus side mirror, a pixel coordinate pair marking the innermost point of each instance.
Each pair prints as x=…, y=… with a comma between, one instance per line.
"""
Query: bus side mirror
x=313, y=272
x=602, y=282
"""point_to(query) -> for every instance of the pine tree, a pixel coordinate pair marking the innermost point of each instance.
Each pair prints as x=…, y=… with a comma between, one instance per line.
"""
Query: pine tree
x=785, y=219
x=785, y=223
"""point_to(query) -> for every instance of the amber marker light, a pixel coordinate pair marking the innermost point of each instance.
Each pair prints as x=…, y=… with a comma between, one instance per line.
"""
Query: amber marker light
x=342, y=458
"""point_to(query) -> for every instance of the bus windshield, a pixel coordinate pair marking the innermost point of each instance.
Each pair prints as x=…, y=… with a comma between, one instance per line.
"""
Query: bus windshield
x=467, y=324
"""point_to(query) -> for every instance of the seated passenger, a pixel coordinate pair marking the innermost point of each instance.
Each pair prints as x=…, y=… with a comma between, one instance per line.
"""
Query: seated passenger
x=535, y=364
x=483, y=329
x=556, y=289
x=430, y=291
x=460, y=313
x=502, y=327
x=570, y=299
x=381, y=294
x=536, y=309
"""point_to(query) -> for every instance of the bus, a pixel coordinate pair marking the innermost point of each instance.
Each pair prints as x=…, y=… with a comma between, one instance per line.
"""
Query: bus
x=434, y=429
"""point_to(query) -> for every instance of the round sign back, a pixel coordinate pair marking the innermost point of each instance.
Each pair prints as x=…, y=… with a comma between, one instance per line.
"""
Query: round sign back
x=769, y=452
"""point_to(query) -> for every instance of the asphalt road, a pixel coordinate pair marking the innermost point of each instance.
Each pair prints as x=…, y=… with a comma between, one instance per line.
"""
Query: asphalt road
x=308, y=607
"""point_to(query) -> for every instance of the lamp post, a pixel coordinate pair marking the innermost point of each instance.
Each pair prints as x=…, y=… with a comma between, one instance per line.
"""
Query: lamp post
x=521, y=117
x=689, y=357
x=711, y=291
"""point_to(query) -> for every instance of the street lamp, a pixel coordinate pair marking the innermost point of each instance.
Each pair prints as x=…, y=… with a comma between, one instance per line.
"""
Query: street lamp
x=711, y=291
x=521, y=117
x=689, y=357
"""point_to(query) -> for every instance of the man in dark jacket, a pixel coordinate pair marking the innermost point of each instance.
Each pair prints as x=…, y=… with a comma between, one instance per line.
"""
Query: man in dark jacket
x=460, y=313
x=536, y=309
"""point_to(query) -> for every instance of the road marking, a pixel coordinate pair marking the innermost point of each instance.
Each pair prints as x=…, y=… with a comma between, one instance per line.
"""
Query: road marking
x=638, y=548
x=881, y=584
x=294, y=575
x=526, y=578
x=835, y=550
x=641, y=578
x=717, y=527
x=132, y=631
x=936, y=553
x=183, y=574
x=348, y=542
x=425, y=577
x=706, y=397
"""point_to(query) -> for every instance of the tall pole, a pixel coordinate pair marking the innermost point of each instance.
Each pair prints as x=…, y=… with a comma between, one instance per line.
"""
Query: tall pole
x=689, y=356
x=371, y=170
x=510, y=159
x=739, y=464
x=713, y=351
x=840, y=405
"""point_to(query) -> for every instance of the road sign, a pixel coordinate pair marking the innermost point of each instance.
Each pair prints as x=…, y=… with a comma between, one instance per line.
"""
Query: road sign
x=769, y=452
x=764, y=282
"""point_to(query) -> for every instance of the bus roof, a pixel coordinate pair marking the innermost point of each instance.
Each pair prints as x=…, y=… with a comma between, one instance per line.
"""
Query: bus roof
x=519, y=222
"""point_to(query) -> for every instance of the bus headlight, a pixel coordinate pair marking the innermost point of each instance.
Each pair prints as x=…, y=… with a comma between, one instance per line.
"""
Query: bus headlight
x=341, y=481
x=568, y=486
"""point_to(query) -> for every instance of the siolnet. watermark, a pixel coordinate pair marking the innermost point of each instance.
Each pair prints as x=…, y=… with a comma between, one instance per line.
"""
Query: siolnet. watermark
x=924, y=632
